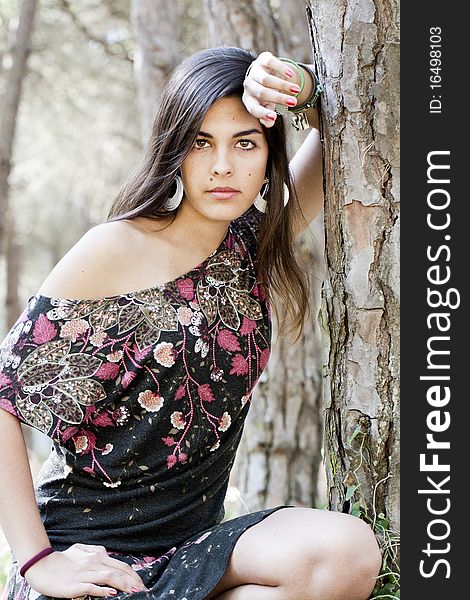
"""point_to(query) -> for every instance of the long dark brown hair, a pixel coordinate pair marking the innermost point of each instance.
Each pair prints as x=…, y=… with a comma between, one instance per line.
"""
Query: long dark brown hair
x=188, y=93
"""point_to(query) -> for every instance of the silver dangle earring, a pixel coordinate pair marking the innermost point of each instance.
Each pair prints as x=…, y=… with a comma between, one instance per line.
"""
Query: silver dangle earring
x=174, y=201
x=286, y=193
x=261, y=203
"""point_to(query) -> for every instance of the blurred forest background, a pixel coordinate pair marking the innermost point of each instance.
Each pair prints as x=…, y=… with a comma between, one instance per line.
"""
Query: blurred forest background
x=87, y=99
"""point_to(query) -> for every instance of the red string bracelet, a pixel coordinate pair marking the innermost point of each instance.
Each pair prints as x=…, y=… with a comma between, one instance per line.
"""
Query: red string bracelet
x=35, y=559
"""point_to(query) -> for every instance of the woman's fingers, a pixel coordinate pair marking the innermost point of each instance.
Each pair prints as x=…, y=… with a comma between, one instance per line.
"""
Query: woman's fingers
x=256, y=109
x=270, y=71
x=262, y=106
x=268, y=60
x=125, y=568
x=268, y=84
x=128, y=577
x=89, y=589
x=92, y=548
x=81, y=571
x=264, y=94
x=108, y=577
x=119, y=573
x=265, y=80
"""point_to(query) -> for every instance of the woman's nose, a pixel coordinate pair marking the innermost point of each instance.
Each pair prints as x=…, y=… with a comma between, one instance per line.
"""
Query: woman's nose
x=222, y=164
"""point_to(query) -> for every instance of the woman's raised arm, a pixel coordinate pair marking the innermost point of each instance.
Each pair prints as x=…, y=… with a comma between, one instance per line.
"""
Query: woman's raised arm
x=268, y=83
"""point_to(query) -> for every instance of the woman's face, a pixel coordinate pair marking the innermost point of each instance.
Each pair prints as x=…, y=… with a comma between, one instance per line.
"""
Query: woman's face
x=230, y=151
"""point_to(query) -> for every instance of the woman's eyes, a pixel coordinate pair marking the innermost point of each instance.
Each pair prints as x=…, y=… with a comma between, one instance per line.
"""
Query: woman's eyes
x=201, y=140
x=244, y=147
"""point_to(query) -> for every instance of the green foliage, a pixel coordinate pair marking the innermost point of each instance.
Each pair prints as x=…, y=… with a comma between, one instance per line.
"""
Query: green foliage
x=388, y=580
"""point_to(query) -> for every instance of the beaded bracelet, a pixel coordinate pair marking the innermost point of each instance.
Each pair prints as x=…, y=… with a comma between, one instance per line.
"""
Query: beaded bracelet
x=37, y=557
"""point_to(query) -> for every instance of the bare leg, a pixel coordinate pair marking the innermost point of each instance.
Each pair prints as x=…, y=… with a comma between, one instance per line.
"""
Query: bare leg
x=302, y=554
x=254, y=592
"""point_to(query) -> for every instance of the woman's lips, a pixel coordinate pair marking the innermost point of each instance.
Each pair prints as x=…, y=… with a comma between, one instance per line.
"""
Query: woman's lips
x=223, y=193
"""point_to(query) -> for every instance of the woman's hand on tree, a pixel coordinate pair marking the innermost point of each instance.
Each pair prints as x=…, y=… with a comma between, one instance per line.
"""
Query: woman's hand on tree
x=82, y=570
x=267, y=84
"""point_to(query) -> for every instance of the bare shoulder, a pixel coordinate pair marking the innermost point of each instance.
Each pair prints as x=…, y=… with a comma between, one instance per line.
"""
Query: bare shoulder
x=89, y=269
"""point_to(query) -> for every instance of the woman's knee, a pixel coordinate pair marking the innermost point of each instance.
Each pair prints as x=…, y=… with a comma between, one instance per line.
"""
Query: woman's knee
x=348, y=562
x=311, y=554
x=365, y=553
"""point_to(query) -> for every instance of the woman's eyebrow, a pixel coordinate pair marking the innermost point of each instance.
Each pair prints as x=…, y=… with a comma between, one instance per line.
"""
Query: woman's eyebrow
x=235, y=135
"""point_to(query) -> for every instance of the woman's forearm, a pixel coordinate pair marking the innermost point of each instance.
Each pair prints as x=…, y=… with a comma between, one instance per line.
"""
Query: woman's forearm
x=306, y=168
x=19, y=513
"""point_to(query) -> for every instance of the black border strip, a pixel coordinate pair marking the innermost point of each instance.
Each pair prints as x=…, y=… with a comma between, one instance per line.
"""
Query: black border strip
x=434, y=133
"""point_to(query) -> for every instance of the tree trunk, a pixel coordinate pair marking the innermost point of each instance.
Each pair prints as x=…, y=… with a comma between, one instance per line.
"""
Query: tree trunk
x=255, y=25
x=356, y=52
x=8, y=120
x=294, y=32
x=279, y=460
x=155, y=25
x=248, y=24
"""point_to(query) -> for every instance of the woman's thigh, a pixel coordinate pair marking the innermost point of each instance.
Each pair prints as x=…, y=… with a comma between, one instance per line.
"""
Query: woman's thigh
x=285, y=548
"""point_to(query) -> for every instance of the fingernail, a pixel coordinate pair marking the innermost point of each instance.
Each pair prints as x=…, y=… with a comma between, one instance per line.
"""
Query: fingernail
x=134, y=589
x=289, y=72
x=295, y=88
x=113, y=592
x=271, y=116
x=291, y=101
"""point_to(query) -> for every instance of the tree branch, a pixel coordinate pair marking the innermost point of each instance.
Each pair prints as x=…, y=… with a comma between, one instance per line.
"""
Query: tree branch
x=108, y=48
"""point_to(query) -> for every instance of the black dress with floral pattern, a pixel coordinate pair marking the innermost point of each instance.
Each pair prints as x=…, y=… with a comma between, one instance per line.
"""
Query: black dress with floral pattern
x=144, y=397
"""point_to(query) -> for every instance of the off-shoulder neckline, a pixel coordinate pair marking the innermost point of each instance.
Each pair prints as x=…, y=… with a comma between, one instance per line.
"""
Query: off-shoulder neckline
x=160, y=286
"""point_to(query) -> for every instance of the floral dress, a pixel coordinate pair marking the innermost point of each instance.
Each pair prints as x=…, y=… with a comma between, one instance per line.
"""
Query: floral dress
x=144, y=397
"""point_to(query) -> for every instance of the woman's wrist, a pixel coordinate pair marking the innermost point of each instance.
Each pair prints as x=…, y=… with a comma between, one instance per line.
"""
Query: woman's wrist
x=304, y=114
x=310, y=111
x=308, y=85
x=22, y=550
x=35, y=559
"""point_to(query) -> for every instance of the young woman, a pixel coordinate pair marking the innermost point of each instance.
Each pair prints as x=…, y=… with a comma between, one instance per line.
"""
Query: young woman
x=139, y=354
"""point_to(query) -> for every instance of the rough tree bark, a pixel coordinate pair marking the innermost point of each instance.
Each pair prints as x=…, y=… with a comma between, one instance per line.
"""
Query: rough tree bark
x=279, y=460
x=356, y=51
x=155, y=26
x=8, y=119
